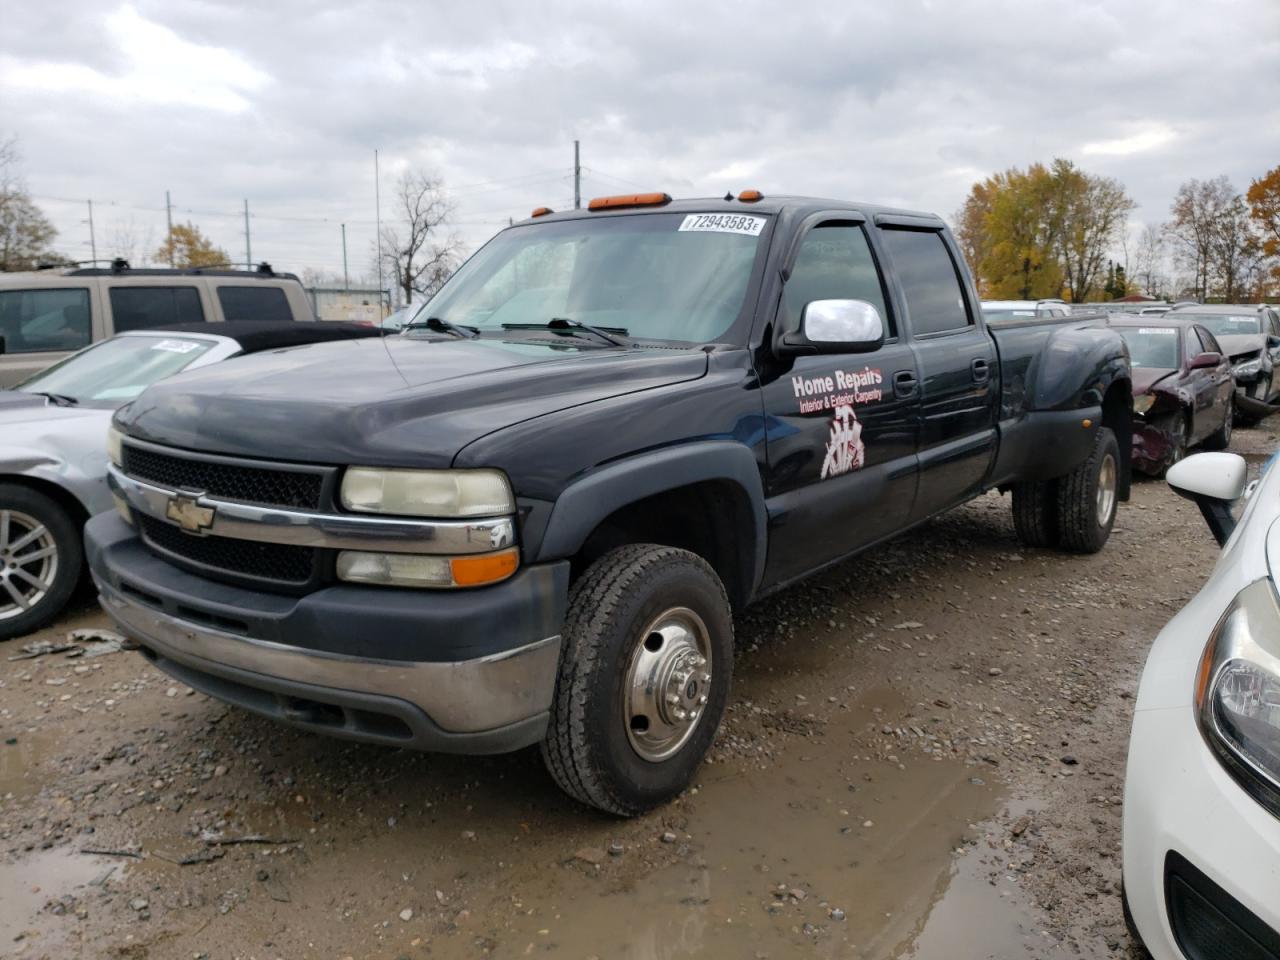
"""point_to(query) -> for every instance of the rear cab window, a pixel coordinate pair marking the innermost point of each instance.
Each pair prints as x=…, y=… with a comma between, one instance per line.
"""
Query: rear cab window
x=931, y=285
x=35, y=321
x=145, y=308
x=254, y=303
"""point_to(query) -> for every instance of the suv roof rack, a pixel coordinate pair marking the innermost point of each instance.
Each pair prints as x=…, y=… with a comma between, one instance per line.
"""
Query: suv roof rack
x=120, y=267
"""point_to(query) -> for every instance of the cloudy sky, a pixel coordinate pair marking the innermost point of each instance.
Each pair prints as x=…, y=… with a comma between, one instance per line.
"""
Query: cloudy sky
x=897, y=101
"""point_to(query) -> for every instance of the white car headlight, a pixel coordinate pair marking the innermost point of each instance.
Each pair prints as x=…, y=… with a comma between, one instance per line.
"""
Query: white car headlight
x=1238, y=692
x=1143, y=403
x=115, y=445
x=1247, y=368
x=427, y=493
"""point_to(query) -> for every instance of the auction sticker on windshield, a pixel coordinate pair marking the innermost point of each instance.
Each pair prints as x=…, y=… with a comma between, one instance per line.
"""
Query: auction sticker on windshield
x=175, y=346
x=723, y=223
x=1160, y=331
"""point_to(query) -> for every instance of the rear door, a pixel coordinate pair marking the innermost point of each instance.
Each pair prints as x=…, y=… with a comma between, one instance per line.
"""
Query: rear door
x=956, y=358
x=41, y=326
x=842, y=427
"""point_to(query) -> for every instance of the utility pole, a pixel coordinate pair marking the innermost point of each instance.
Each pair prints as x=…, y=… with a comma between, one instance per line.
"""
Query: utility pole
x=577, y=178
x=168, y=215
x=248, y=250
x=93, y=243
x=377, y=201
x=346, y=284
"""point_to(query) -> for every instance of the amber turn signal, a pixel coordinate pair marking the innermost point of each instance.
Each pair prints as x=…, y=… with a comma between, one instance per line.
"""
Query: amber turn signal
x=750, y=196
x=541, y=212
x=630, y=200
x=484, y=568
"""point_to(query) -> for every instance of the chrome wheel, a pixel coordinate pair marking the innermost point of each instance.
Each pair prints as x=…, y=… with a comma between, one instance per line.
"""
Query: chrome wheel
x=1106, y=490
x=28, y=562
x=667, y=683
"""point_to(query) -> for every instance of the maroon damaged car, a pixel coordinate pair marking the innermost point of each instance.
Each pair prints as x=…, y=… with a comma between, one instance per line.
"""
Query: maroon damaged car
x=1182, y=389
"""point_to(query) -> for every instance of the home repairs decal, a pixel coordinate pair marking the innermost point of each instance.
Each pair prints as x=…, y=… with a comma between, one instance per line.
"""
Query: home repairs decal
x=840, y=392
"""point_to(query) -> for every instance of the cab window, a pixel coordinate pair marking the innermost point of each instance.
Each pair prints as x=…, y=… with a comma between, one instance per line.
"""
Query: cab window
x=930, y=281
x=145, y=308
x=254, y=303
x=32, y=321
x=834, y=263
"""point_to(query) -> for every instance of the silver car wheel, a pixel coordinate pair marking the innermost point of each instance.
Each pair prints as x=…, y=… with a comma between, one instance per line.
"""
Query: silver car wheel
x=667, y=684
x=28, y=562
x=1106, y=490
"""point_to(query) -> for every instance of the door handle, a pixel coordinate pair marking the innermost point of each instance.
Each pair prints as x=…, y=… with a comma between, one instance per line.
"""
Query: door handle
x=905, y=383
x=981, y=370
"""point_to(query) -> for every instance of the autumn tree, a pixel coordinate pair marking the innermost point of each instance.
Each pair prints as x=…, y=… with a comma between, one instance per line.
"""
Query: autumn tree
x=1264, y=207
x=25, y=232
x=419, y=256
x=1041, y=232
x=186, y=246
x=1089, y=213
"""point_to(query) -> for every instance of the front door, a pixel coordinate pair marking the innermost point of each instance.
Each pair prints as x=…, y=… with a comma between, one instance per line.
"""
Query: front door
x=842, y=427
x=957, y=362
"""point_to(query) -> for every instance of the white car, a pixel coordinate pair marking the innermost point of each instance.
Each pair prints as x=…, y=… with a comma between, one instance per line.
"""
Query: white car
x=1202, y=791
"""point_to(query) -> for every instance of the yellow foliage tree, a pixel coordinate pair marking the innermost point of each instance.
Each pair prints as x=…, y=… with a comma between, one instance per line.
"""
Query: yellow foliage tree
x=1264, y=207
x=186, y=246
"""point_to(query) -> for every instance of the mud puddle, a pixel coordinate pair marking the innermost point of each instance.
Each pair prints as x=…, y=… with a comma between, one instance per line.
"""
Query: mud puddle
x=841, y=856
x=22, y=755
x=53, y=881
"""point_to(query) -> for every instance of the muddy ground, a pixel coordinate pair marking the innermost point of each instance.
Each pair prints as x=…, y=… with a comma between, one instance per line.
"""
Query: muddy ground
x=923, y=759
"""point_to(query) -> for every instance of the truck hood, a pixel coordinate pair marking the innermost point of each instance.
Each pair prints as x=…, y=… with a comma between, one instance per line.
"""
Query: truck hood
x=1144, y=378
x=1233, y=345
x=401, y=401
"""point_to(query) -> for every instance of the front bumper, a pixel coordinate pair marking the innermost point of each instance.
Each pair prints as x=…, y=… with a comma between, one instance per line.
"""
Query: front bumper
x=469, y=671
x=1152, y=447
x=1184, y=817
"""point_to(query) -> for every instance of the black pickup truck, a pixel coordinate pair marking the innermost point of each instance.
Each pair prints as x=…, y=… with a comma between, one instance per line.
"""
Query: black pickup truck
x=531, y=517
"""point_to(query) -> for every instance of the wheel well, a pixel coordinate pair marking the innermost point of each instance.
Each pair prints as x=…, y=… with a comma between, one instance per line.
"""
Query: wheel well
x=1117, y=415
x=711, y=518
x=59, y=495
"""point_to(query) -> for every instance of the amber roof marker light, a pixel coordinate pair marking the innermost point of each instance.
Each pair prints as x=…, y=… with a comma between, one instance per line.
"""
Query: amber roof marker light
x=750, y=196
x=541, y=211
x=629, y=200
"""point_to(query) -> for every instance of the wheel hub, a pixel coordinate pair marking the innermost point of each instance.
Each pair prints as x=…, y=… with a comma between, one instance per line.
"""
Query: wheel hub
x=28, y=562
x=667, y=684
x=1106, y=498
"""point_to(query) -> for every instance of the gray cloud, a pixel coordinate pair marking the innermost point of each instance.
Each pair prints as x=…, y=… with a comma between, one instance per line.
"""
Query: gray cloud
x=906, y=103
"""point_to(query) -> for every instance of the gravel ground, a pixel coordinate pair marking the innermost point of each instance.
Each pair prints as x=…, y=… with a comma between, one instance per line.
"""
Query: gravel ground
x=923, y=758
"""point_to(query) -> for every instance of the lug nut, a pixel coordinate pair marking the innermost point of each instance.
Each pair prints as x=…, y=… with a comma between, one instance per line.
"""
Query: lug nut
x=672, y=699
x=702, y=700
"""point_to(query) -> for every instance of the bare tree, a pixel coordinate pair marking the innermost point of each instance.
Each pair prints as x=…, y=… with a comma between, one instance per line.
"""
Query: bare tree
x=129, y=241
x=1236, y=251
x=1198, y=207
x=25, y=232
x=1149, y=260
x=415, y=250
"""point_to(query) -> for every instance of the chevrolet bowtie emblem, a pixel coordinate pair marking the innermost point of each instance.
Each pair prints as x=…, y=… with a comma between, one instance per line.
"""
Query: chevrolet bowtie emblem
x=186, y=512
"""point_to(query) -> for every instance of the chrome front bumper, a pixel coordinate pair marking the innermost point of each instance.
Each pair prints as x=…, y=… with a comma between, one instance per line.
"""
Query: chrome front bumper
x=485, y=705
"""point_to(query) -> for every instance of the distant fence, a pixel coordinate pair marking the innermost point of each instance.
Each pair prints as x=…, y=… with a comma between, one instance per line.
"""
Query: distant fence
x=352, y=304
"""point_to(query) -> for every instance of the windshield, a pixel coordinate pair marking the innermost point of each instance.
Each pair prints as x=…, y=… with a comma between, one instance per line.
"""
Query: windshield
x=1152, y=346
x=1225, y=324
x=667, y=276
x=115, y=371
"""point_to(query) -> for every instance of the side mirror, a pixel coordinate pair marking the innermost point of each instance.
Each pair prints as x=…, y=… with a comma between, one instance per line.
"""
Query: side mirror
x=836, y=326
x=1273, y=341
x=1202, y=360
x=1213, y=481
x=2, y=345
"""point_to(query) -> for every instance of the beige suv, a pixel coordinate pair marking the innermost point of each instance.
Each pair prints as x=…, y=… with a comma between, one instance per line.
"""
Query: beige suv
x=48, y=314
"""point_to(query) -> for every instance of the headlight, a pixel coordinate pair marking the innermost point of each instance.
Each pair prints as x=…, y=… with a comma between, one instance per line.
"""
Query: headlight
x=415, y=570
x=1247, y=368
x=1238, y=692
x=427, y=493
x=115, y=445
x=1143, y=403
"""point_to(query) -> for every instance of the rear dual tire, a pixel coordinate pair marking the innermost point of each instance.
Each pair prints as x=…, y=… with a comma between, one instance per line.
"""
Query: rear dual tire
x=1074, y=512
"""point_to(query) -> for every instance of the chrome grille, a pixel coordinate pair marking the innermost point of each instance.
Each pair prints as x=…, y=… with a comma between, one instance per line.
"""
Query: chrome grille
x=273, y=486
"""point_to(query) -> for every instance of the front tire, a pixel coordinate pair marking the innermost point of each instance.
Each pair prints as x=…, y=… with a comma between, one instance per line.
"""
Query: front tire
x=644, y=677
x=41, y=559
x=1088, y=497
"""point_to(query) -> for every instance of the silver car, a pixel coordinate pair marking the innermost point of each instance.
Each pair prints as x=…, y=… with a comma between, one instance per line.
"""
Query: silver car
x=53, y=447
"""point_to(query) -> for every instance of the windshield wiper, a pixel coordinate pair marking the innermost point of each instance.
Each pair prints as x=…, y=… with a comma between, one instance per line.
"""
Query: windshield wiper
x=564, y=323
x=61, y=399
x=440, y=325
